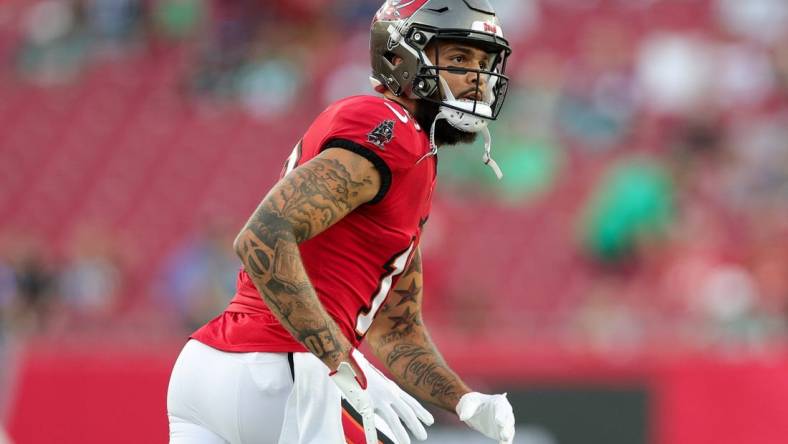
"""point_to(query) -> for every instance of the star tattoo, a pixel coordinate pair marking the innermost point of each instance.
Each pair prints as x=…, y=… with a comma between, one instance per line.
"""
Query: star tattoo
x=407, y=319
x=408, y=295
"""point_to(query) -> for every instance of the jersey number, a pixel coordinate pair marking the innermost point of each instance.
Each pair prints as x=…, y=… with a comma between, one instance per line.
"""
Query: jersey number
x=393, y=268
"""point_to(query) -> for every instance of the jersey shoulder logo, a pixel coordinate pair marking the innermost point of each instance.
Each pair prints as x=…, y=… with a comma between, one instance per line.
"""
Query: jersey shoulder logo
x=382, y=134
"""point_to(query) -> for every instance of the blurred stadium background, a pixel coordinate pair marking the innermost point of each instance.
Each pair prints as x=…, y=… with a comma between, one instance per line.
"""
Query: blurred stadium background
x=627, y=281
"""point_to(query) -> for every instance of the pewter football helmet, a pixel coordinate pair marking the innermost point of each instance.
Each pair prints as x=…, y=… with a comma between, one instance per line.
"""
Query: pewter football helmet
x=404, y=28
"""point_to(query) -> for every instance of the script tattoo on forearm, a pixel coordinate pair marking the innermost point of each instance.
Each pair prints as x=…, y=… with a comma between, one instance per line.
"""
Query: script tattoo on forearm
x=401, y=341
x=426, y=371
x=303, y=204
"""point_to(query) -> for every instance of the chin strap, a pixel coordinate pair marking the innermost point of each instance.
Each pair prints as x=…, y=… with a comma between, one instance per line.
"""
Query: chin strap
x=433, y=146
x=486, y=156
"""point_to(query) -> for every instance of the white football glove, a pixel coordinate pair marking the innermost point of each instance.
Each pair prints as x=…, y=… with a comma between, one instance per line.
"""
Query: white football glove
x=394, y=404
x=491, y=415
x=353, y=386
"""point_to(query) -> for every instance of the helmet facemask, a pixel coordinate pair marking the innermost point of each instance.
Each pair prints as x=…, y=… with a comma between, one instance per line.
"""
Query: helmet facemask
x=428, y=80
x=399, y=38
x=491, y=85
x=469, y=115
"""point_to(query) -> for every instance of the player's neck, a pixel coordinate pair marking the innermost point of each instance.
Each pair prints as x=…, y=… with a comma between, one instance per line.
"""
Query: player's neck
x=408, y=104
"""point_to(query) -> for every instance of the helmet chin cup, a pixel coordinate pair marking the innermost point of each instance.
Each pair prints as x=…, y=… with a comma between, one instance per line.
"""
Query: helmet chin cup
x=464, y=121
x=486, y=155
x=468, y=121
x=464, y=115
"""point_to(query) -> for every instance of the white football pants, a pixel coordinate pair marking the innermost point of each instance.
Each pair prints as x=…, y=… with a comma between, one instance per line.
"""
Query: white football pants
x=217, y=397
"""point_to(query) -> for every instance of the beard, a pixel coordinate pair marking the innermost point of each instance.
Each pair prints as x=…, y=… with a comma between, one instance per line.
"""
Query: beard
x=445, y=134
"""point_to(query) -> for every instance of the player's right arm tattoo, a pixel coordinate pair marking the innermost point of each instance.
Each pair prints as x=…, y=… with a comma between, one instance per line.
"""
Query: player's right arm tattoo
x=400, y=340
x=304, y=203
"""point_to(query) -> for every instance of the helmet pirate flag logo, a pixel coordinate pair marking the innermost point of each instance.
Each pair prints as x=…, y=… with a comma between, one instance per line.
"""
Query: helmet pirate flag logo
x=397, y=9
x=382, y=134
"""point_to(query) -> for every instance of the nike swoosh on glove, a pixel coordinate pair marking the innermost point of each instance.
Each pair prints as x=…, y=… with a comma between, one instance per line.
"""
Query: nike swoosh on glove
x=393, y=404
x=491, y=415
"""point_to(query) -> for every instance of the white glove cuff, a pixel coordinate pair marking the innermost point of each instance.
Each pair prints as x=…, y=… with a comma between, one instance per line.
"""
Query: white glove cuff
x=463, y=400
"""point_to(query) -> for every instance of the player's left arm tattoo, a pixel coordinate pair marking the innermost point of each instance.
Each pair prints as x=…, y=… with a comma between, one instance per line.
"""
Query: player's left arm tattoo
x=400, y=340
x=304, y=203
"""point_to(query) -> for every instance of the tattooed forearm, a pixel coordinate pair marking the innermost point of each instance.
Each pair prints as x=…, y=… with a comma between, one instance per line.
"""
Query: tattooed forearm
x=409, y=294
x=321, y=343
x=301, y=205
x=425, y=374
x=410, y=355
x=420, y=366
x=403, y=326
x=400, y=340
x=276, y=269
x=405, y=321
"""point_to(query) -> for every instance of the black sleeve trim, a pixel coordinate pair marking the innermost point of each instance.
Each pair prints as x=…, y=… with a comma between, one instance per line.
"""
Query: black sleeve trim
x=361, y=150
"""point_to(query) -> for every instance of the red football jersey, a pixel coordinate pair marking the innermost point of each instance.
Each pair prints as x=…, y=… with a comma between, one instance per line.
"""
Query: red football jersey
x=355, y=263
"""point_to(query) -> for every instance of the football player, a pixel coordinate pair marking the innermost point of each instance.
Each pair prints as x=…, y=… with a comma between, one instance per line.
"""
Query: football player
x=331, y=256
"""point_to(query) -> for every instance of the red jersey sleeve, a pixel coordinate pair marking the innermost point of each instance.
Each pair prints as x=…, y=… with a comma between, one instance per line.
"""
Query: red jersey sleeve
x=379, y=130
x=354, y=264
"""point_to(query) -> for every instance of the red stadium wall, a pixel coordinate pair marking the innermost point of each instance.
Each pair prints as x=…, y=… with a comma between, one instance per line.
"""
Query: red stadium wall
x=712, y=402
x=99, y=394
x=91, y=396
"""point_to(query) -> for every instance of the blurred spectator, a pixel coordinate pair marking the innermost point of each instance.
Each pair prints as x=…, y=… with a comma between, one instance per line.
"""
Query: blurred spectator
x=112, y=22
x=8, y=300
x=54, y=47
x=226, y=45
x=744, y=74
x=179, y=19
x=35, y=282
x=530, y=166
x=728, y=301
x=536, y=91
x=197, y=280
x=761, y=20
x=675, y=72
x=518, y=17
x=8, y=297
x=758, y=171
x=780, y=66
x=605, y=320
x=770, y=271
x=632, y=206
x=353, y=12
x=8, y=292
x=351, y=77
x=269, y=88
x=598, y=102
x=90, y=282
